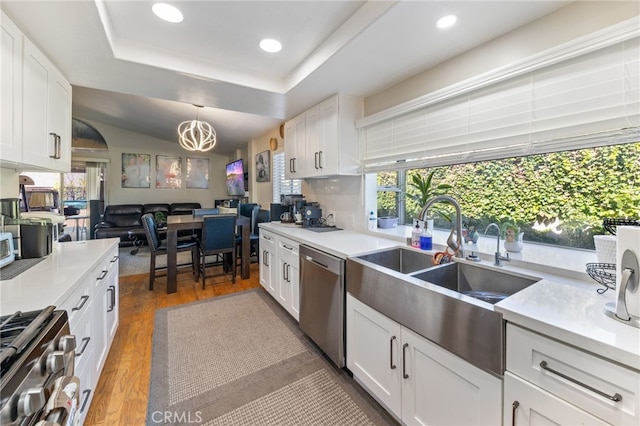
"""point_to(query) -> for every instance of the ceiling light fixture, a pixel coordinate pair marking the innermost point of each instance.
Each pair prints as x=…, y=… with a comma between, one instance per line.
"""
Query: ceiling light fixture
x=446, y=21
x=196, y=135
x=270, y=45
x=167, y=12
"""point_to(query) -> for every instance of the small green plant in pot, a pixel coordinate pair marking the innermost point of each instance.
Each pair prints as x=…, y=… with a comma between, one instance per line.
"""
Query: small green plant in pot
x=512, y=237
x=426, y=189
x=160, y=218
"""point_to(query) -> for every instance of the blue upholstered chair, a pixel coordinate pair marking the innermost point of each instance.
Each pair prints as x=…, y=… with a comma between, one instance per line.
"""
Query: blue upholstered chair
x=218, y=238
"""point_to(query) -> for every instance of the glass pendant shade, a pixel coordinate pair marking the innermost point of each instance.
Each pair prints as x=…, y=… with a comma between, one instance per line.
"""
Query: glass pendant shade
x=196, y=135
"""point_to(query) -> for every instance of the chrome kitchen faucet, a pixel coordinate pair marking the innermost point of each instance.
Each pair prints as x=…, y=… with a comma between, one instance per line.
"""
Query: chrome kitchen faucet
x=458, y=225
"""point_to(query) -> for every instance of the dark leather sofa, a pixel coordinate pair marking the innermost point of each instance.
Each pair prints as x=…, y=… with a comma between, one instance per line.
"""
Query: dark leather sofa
x=119, y=219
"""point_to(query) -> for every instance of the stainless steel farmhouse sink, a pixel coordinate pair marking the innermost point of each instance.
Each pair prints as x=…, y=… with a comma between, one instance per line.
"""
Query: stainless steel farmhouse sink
x=488, y=285
x=434, y=301
x=400, y=259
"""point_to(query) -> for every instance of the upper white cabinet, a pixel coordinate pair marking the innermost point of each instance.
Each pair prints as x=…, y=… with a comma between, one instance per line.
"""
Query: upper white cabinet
x=323, y=141
x=38, y=108
x=11, y=86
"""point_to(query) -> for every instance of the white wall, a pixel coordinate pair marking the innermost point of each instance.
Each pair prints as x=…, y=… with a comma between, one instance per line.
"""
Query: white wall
x=120, y=140
x=563, y=25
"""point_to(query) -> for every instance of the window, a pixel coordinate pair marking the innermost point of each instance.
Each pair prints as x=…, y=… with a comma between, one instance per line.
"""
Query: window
x=281, y=185
x=557, y=198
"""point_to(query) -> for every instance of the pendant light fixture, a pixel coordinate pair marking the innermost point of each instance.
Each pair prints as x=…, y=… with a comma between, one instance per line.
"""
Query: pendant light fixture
x=196, y=135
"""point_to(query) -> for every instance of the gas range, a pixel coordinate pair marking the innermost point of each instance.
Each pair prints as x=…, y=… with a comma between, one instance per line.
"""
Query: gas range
x=37, y=365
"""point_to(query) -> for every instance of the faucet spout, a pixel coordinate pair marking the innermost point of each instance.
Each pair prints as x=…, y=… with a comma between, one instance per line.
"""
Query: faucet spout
x=457, y=226
x=498, y=258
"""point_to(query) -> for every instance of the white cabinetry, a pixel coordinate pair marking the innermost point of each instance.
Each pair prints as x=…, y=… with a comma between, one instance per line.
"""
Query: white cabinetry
x=323, y=141
x=267, y=261
x=288, y=294
x=11, y=89
x=40, y=99
x=548, y=380
x=280, y=270
x=294, y=147
x=415, y=379
x=93, y=319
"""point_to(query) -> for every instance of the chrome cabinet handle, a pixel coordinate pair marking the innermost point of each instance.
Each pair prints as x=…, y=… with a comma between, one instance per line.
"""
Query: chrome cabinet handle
x=294, y=164
x=291, y=165
x=112, y=289
x=320, y=159
x=615, y=398
x=315, y=160
x=288, y=272
x=514, y=407
x=83, y=300
x=266, y=237
x=404, y=361
x=56, y=146
x=264, y=258
x=284, y=271
x=85, y=343
x=391, y=364
x=102, y=275
x=86, y=394
x=115, y=258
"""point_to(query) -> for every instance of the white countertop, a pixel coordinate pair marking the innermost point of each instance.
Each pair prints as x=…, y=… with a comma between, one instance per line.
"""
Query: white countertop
x=342, y=243
x=53, y=280
x=567, y=309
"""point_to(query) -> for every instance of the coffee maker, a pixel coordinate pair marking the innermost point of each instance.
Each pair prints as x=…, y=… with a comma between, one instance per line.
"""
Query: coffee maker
x=292, y=206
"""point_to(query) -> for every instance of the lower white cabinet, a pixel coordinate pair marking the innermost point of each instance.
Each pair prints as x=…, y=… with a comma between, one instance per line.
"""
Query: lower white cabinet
x=93, y=319
x=415, y=379
x=528, y=405
x=280, y=270
x=549, y=381
x=267, y=259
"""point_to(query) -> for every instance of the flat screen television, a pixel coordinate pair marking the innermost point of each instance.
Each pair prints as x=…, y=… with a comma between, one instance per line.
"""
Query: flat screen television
x=235, y=178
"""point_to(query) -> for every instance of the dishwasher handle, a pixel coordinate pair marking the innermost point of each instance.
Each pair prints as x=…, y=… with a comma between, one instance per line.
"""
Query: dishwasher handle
x=324, y=260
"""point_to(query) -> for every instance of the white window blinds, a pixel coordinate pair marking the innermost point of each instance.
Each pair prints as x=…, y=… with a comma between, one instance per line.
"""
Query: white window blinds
x=280, y=184
x=592, y=99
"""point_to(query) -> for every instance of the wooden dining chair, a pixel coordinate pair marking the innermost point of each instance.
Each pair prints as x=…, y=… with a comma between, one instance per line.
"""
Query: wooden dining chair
x=218, y=238
x=157, y=246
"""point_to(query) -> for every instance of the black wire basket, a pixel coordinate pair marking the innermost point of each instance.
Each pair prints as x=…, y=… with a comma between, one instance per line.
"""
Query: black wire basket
x=611, y=224
x=604, y=274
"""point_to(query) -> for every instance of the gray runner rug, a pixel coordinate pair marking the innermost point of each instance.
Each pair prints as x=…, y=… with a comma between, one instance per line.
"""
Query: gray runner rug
x=242, y=360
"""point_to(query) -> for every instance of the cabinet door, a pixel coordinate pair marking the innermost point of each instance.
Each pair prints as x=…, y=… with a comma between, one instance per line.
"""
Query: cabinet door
x=103, y=299
x=294, y=147
x=374, y=353
x=288, y=261
x=11, y=89
x=46, y=129
x=113, y=298
x=438, y=388
x=312, y=142
x=268, y=262
x=328, y=148
x=526, y=404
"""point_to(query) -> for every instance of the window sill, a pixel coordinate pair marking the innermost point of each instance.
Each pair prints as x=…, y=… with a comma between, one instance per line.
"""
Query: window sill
x=567, y=262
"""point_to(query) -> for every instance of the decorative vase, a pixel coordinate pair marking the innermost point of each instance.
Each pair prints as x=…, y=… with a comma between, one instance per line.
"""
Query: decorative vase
x=513, y=240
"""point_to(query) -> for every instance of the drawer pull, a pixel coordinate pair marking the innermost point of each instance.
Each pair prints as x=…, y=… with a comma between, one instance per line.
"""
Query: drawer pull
x=83, y=300
x=115, y=258
x=85, y=343
x=615, y=398
x=102, y=275
x=86, y=394
x=514, y=407
x=404, y=360
x=391, y=364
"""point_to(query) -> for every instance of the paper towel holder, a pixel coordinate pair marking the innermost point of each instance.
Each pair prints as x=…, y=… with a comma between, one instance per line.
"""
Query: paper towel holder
x=629, y=282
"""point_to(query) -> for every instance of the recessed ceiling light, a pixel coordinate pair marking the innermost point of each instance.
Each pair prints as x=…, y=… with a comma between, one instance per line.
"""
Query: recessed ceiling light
x=447, y=21
x=270, y=45
x=167, y=12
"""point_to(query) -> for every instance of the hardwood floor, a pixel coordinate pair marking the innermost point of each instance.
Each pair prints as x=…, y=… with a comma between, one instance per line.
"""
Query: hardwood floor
x=122, y=391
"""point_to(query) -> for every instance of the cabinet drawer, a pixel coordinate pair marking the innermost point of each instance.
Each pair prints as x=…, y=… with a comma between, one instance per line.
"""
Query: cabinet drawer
x=288, y=245
x=78, y=303
x=589, y=382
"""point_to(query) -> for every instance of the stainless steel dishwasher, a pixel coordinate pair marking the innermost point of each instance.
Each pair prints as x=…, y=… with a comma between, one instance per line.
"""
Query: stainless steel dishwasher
x=322, y=299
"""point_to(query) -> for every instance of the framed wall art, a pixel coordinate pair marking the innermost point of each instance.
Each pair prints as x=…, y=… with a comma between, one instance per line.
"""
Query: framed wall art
x=135, y=170
x=168, y=172
x=263, y=167
x=197, y=173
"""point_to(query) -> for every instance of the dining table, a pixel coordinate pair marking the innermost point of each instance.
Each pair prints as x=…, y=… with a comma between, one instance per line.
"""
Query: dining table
x=177, y=223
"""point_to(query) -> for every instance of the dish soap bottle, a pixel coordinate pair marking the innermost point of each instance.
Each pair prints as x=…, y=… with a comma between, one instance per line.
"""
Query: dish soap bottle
x=426, y=239
x=372, y=221
x=415, y=236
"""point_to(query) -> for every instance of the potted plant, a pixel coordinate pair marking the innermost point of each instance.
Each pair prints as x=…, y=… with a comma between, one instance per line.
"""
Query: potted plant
x=512, y=237
x=427, y=189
